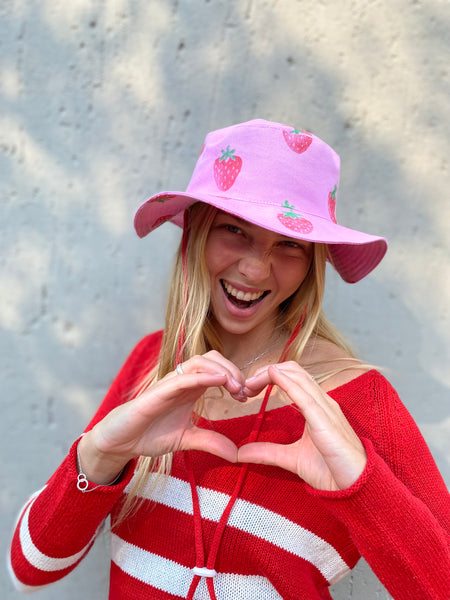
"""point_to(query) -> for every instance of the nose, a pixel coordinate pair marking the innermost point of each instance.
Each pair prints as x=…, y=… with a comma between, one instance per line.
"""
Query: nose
x=255, y=266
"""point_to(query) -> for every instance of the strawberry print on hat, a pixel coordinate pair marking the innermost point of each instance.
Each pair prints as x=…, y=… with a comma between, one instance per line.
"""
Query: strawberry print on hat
x=226, y=169
x=332, y=204
x=299, y=141
x=294, y=221
x=163, y=198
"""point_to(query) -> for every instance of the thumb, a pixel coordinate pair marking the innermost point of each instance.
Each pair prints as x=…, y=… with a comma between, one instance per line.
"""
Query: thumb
x=266, y=453
x=210, y=441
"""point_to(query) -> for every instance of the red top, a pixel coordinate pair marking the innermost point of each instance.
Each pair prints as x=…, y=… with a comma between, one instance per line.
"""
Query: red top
x=283, y=538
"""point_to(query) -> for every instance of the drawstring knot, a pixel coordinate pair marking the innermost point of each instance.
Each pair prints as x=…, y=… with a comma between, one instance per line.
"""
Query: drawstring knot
x=204, y=572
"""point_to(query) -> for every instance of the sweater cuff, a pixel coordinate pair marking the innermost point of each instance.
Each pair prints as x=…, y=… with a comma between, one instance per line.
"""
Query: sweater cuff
x=116, y=487
x=356, y=487
x=61, y=521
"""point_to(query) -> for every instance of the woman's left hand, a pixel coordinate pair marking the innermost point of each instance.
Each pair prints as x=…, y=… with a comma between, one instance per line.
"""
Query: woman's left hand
x=329, y=455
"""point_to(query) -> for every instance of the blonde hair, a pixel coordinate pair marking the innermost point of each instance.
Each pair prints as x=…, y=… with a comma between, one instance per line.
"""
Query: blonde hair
x=188, y=315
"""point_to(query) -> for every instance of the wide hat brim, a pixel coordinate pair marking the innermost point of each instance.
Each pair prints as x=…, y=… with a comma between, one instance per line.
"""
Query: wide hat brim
x=278, y=178
x=353, y=259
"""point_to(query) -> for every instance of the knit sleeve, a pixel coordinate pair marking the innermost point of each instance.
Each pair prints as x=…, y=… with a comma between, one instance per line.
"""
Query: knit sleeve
x=398, y=511
x=58, y=525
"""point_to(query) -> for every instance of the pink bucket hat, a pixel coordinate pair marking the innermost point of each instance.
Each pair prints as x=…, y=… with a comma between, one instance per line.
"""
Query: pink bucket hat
x=277, y=177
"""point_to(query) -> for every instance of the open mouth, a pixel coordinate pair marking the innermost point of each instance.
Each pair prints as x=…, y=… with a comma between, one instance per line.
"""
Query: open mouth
x=242, y=299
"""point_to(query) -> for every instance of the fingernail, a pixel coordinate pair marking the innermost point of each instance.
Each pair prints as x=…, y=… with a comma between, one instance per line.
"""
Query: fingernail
x=241, y=396
x=236, y=382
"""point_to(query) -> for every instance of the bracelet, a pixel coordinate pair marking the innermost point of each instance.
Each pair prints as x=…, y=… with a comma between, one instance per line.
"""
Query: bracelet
x=83, y=482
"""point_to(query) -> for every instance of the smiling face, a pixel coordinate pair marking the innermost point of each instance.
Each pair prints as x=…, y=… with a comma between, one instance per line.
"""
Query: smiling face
x=252, y=271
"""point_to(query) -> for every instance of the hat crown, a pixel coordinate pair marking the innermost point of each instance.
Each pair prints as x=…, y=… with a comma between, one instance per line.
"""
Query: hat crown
x=265, y=163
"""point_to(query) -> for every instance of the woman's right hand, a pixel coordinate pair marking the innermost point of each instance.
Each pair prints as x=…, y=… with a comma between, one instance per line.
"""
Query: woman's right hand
x=159, y=420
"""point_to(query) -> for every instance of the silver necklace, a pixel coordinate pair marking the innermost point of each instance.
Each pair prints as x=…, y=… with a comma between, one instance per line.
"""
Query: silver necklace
x=266, y=351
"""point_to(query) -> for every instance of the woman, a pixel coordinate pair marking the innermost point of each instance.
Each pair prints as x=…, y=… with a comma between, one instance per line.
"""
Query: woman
x=244, y=452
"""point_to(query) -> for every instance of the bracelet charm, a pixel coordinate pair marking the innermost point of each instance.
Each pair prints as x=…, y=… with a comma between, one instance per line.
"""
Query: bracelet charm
x=82, y=482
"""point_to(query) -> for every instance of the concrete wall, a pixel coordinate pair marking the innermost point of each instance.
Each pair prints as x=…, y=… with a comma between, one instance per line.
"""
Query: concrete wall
x=104, y=103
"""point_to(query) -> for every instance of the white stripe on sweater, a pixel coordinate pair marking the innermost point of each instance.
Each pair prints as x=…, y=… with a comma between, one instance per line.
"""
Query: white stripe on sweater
x=38, y=559
x=21, y=587
x=253, y=519
x=173, y=578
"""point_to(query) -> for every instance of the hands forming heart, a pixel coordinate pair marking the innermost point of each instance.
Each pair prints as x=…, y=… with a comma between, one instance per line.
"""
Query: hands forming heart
x=328, y=455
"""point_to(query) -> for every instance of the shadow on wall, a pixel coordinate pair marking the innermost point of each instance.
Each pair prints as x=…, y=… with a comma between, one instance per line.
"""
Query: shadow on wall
x=99, y=111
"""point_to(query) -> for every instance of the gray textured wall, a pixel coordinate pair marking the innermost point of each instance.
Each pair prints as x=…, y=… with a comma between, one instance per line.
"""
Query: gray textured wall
x=104, y=103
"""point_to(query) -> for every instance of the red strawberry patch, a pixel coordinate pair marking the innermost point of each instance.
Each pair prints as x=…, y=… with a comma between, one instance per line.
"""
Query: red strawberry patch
x=297, y=140
x=332, y=204
x=294, y=221
x=226, y=169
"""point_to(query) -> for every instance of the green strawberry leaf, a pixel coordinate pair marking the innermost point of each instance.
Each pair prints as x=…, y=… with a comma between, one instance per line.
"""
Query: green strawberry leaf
x=300, y=131
x=163, y=198
x=226, y=154
x=290, y=212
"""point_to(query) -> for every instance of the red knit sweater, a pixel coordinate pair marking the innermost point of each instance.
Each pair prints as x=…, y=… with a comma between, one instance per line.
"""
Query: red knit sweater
x=283, y=538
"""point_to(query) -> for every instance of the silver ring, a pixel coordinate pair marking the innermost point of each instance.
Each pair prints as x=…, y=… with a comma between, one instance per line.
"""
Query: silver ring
x=179, y=369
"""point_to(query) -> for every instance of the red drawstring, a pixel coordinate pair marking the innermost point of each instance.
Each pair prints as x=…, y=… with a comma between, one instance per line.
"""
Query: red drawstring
x=293, y=335
x=209, y=570
x=198, y=531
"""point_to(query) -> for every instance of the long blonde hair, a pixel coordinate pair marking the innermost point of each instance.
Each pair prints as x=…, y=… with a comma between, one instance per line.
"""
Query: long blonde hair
x=188, y=316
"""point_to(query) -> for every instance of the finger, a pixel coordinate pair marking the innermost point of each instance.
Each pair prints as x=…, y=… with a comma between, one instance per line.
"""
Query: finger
x=255, y=384
x=228, y=364
x=328, y=426
x=198, y=364
x=209, y=441
x=261, y=378
x=305, y=394
x=214, y=362
x=186, y=388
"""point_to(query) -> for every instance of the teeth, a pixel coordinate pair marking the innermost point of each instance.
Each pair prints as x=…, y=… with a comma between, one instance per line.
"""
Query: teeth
x=240, y=295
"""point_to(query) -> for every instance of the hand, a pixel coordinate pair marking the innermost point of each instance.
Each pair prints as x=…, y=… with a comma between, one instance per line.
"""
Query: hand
x=159, y=421
x=329, y=455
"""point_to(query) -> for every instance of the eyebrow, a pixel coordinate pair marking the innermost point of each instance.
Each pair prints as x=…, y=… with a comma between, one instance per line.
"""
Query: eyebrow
x=240, y=220
x=226, y=214
x=236, y=218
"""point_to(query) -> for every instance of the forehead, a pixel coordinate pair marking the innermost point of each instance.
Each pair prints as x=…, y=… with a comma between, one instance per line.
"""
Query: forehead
x=256, y=229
